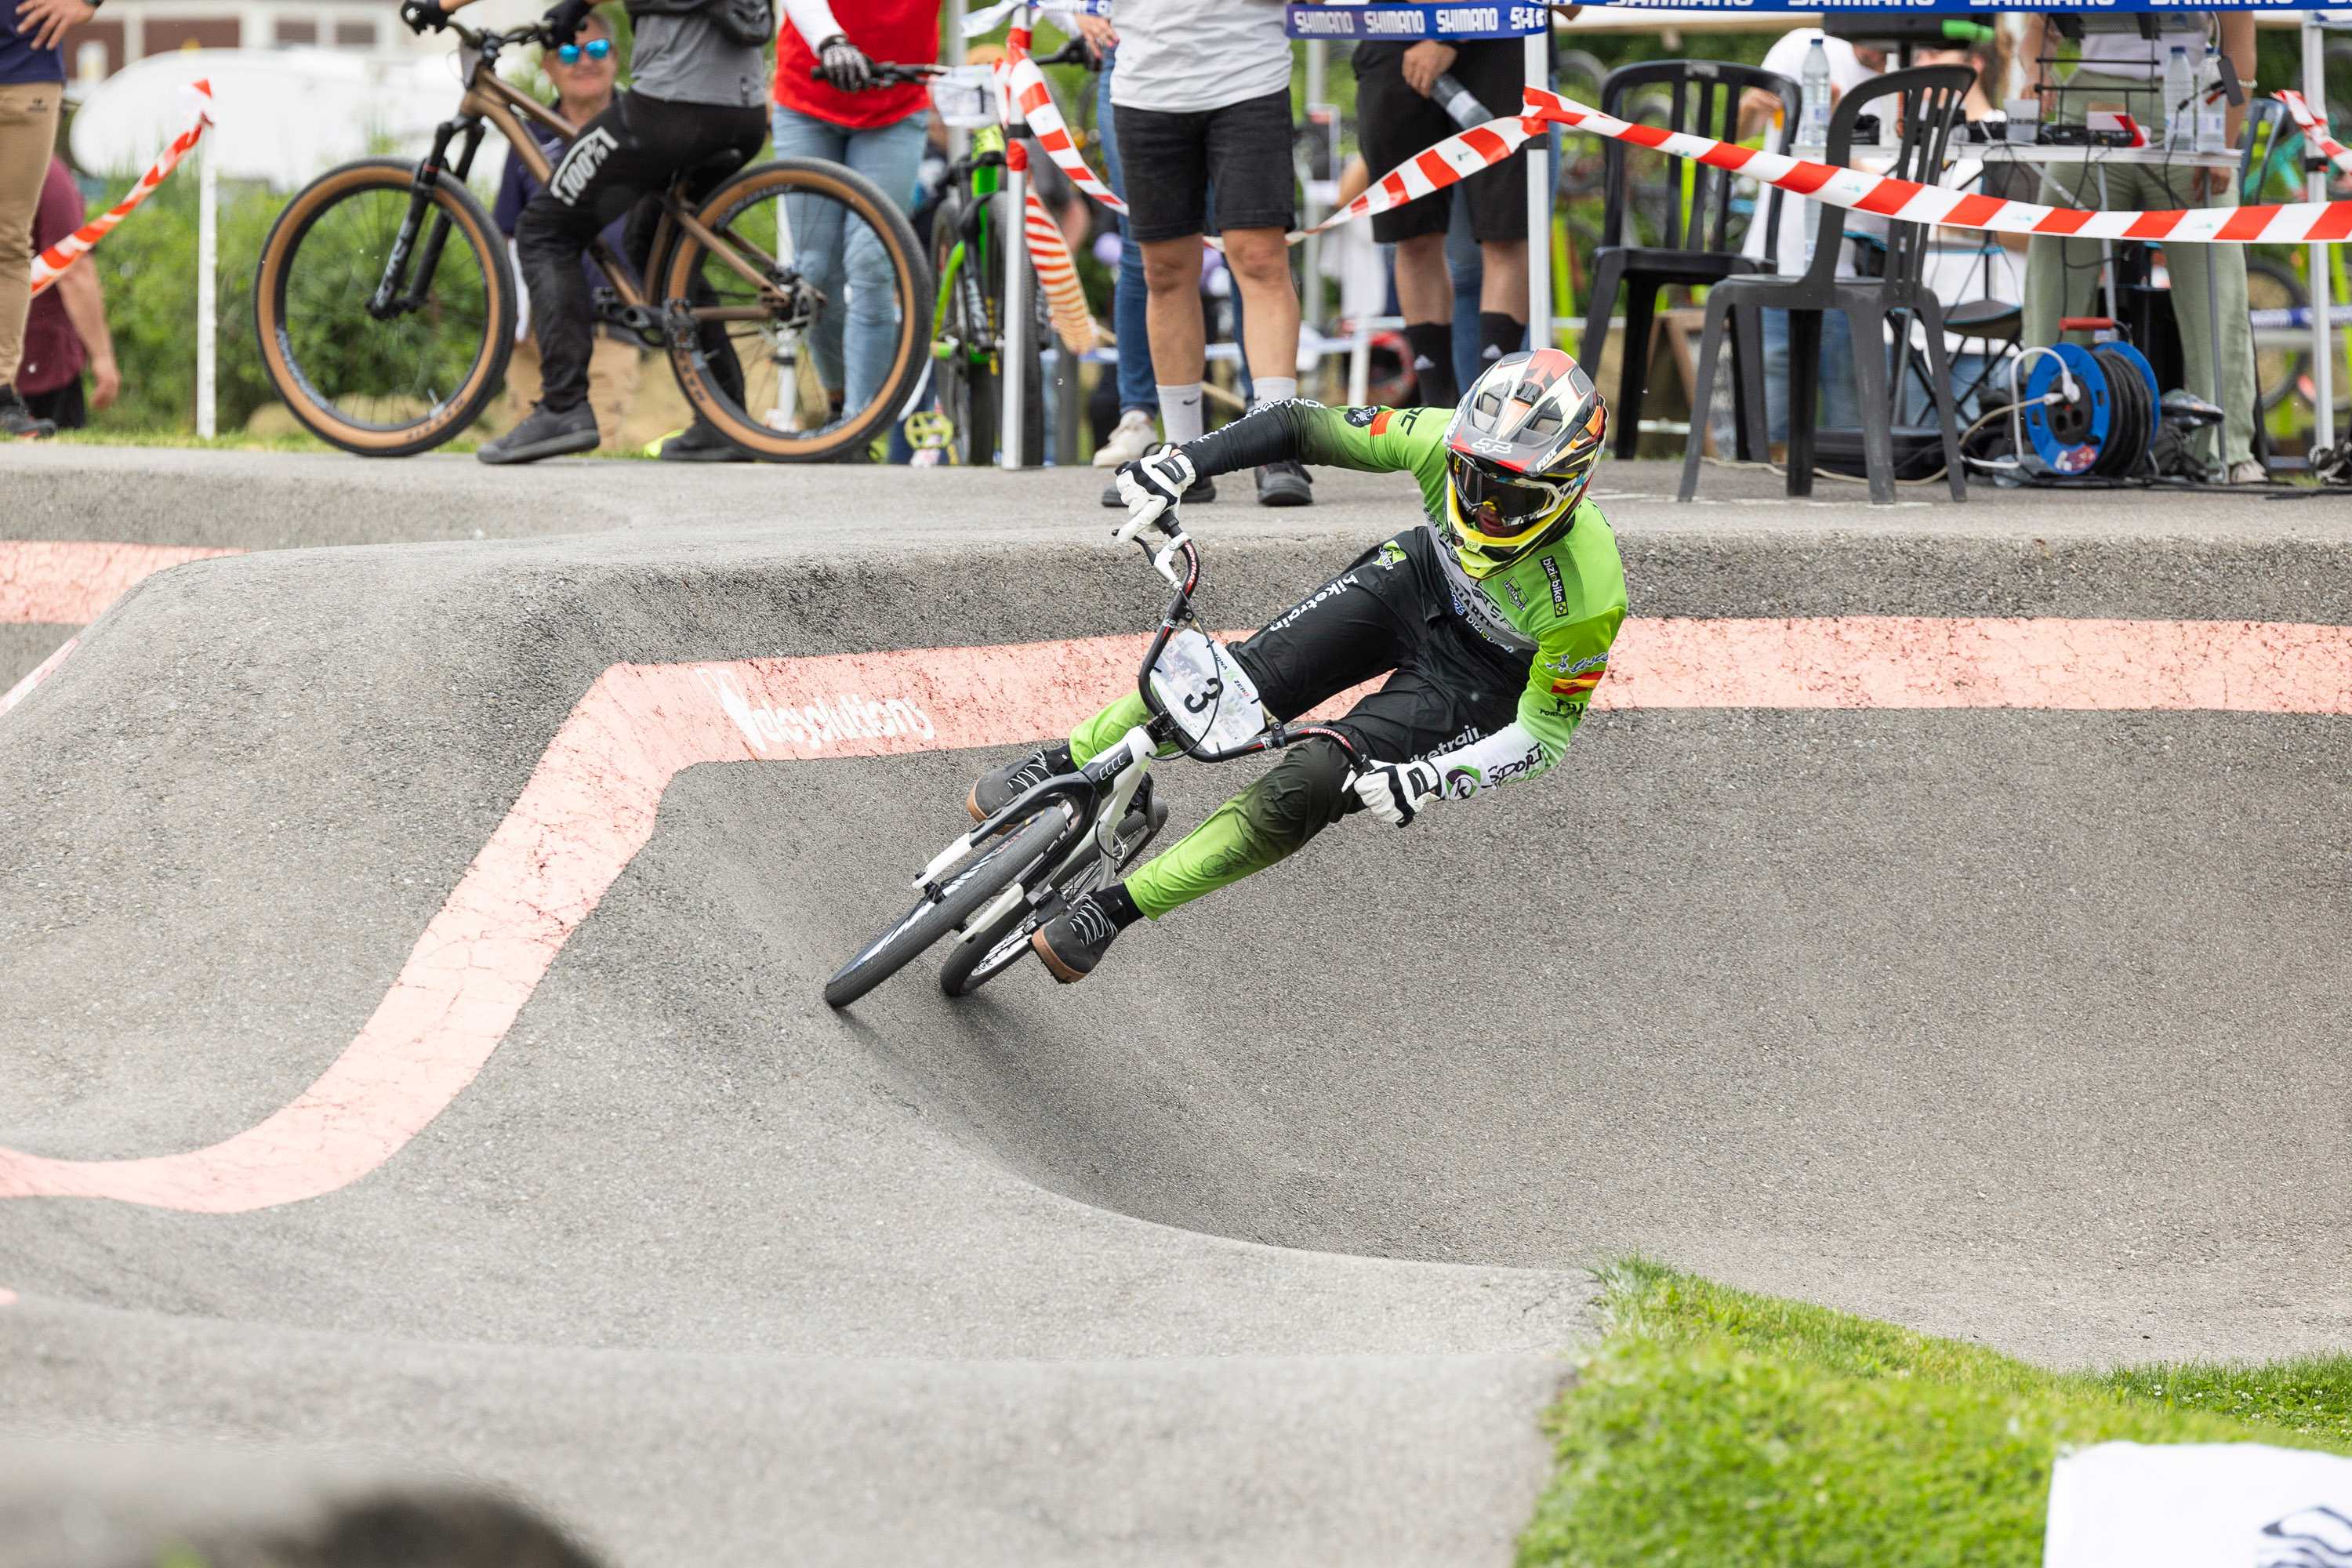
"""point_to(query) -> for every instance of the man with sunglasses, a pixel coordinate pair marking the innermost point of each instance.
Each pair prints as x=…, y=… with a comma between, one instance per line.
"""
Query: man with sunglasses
x=1492, y=621
x=697, y=100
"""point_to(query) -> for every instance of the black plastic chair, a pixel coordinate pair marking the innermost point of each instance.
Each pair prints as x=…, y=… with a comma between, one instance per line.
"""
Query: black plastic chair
x=1929, y=102
x=1698, y=244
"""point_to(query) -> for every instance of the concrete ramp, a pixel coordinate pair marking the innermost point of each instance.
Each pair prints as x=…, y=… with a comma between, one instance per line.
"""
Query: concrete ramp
x=413, y=1055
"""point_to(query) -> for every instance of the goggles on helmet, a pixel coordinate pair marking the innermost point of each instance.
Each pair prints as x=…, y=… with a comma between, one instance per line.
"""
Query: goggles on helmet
x=1504, y=505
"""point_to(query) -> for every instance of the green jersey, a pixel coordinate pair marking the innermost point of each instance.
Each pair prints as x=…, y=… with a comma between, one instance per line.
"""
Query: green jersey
x=1559, y=607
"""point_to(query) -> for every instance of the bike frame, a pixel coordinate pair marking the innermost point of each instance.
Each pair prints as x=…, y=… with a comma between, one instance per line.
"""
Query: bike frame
x=1102, y=789
x=491, y=101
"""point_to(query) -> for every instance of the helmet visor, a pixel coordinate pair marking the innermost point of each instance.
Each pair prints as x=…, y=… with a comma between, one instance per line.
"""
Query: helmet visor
x=1504, y=506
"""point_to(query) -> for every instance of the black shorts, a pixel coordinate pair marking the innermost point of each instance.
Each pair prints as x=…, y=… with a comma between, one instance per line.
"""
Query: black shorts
x=1172, y=160
x=1391, y=611
x=1394, y=122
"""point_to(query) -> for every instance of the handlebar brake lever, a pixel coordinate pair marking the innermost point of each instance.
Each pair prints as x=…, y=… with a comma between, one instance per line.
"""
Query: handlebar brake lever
x=1164, y=561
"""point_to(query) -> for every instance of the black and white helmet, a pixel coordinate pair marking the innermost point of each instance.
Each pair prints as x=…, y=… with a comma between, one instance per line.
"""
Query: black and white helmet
x=1518, y=454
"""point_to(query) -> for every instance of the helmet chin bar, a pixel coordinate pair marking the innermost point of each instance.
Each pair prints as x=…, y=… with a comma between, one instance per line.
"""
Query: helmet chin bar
x=1480, y=555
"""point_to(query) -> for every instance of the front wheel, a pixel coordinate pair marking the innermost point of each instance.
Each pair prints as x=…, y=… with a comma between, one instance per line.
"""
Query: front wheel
x=960, y=893
x=803, y=332
x=385, y=312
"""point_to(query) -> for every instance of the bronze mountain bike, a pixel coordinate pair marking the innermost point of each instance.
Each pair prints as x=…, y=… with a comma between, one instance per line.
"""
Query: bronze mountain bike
x=386, y=302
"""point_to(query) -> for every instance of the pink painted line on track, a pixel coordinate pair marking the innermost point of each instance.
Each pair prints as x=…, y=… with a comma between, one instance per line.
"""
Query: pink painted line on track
x=70, y=582
x=591, y=804
x=7, y=1297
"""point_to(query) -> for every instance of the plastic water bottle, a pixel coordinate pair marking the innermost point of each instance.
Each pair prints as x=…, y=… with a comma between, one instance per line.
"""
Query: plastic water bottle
x=1813, y=126
x=2179, y=121
x=1459, y=102
x=2213, y=107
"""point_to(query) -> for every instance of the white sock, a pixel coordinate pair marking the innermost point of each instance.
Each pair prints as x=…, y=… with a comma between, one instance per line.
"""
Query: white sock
x=1180, y=413
x=1272, y=388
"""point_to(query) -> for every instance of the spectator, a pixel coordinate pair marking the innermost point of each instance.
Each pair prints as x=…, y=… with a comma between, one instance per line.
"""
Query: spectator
x=1139, y=397
x=1202, y=99
x=829, y=105
x=1850, y=67
x=66, y=329
x=1397, y=117
x=2118, y=68
x=583, y=89
x=32, y=88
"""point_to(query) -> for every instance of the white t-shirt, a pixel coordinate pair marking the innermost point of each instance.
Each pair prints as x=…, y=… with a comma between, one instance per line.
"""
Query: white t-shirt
x=2122, y=52
x=1185, y=56
x=1798, y=217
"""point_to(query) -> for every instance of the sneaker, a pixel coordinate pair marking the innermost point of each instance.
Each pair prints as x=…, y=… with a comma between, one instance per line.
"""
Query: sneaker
x=1202, y=488
x=17, y=420
x=1130, y=438
x=700, y=442
x=545, y=433
x=2249, y=472
x=1073, y=942
x=1000, y=787
x=1285, y=483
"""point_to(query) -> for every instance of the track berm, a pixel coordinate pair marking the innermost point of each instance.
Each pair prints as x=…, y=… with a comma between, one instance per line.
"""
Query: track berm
x=1990, y=982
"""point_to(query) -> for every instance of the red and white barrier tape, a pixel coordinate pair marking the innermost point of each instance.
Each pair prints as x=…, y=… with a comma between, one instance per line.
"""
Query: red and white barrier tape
x=50, y=263
x=2314, y=131
x=1049, y=253
x=1033, y=101
x=1909, y=202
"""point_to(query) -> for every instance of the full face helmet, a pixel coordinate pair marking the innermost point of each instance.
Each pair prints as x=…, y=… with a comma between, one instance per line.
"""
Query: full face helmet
x=1518, y=454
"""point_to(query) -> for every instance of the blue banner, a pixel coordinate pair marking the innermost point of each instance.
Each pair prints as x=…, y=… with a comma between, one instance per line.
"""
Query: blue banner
x=1410, y=23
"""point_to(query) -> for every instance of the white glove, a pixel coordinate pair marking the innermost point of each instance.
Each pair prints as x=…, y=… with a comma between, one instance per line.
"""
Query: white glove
x=1396, y=792
x=1150, y=486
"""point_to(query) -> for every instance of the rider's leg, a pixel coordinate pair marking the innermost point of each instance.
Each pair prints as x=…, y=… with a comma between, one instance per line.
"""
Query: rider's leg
x=817, y=223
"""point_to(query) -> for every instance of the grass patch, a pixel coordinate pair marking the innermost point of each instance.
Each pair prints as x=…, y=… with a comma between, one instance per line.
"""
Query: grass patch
x=1713, y=1426
x=296, y=441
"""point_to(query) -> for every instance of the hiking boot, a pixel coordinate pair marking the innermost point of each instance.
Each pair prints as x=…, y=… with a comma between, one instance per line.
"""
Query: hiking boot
x=1073, y=942
x=17, y=421
x=1200, y=490
x=1285, y=483
x=1133, y=437
x=1000, y=787
x=544, y=433
x=700, y=442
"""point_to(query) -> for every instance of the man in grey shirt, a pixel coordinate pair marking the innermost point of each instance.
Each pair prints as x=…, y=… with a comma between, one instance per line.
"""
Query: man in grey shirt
x=699, y=89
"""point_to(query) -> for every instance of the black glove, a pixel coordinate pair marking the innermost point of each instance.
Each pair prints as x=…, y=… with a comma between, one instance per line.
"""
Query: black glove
x=563, y=22
x=420, y=15
x=843, y=65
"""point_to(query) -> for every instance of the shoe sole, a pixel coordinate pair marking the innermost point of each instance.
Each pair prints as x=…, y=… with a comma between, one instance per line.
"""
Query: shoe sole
x=1053, y=967
x=706, y=455
x=1286, y=495
x=553, y=446
x=972, y=805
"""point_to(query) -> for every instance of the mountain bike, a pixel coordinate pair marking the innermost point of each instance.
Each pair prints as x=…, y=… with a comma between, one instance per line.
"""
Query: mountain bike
x=974, y=233
x=386, y=303
x=994, y=886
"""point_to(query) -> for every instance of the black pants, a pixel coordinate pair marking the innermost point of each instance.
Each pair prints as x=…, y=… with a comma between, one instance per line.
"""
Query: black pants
x=62, y=406
x=1390, y=613
x=622, y=161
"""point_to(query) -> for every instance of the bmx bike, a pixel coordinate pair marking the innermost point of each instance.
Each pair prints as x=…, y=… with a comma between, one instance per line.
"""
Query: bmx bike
x=386, y=304
x=996, y=885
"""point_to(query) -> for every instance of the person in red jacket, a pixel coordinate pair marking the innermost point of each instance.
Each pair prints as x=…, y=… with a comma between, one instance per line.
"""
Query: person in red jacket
x=828, y=105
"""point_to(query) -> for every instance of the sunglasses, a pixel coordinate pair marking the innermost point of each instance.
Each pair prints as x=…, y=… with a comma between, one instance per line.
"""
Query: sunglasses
x=595, y=48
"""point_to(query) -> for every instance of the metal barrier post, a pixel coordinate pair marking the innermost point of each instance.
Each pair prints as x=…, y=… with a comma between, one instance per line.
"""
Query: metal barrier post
x=2323, y=323
x=1013, y=243
x=1539, y=329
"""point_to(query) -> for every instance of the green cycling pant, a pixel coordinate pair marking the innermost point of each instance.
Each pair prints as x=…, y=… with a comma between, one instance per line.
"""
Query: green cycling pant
x=1297, y=798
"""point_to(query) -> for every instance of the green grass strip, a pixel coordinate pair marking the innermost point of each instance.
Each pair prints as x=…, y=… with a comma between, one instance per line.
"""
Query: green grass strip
x=1715, y=1426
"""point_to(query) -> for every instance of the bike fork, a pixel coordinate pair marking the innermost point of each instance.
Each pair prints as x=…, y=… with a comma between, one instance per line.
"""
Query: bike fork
x=395, y=294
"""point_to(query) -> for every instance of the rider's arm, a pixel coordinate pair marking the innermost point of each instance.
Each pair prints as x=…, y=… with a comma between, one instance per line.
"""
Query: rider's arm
x=1570, y=662
x=1378, y=440
x=813, y=20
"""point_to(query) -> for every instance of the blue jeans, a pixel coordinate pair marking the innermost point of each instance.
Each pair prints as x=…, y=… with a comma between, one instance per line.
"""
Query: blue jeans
x=1840, y=403
x=1130, y=302
x=1465, y=264
x=855, y=361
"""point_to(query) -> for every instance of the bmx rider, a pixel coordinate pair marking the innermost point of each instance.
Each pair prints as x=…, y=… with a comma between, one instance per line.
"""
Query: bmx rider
x=1493, y=621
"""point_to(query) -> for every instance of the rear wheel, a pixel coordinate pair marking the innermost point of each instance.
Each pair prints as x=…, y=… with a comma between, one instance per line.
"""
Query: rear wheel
x=962, y=892
x=389, y=381
x=972, y=393
x=840, y=296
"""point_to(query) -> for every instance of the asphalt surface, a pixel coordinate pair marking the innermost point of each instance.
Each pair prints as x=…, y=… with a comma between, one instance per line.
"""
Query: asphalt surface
x=1264, y=1244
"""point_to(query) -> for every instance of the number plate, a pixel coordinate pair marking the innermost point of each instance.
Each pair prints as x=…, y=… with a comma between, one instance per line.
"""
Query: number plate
x=1207, y=692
